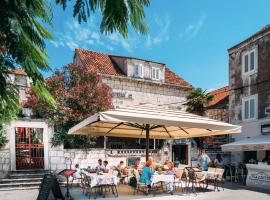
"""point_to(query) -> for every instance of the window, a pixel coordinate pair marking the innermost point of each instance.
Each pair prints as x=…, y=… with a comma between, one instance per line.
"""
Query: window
x=138, y=70
x=265, y=129
x=249, y=61
x=155, y=73
x=249, y=107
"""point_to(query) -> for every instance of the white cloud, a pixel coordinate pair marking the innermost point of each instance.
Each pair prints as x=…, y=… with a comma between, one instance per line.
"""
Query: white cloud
x=163, y=27
x=193, y=28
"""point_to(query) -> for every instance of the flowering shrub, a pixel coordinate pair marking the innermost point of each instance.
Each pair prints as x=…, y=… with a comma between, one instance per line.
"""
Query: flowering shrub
x=79, y=94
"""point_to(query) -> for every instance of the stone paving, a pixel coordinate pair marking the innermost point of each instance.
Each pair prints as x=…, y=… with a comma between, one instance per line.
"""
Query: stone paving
x=231, y=193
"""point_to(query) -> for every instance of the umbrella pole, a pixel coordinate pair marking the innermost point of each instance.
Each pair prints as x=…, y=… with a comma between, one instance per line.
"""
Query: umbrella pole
x=147, y=129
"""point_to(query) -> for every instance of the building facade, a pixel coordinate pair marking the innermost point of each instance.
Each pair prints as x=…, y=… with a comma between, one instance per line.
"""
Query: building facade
x=218, y=109
x=133, y=81
x=249, y=83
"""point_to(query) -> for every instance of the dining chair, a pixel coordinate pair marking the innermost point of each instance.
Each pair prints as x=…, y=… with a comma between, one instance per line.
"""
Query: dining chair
x=142, y=187
x=178, y=182
x=219, y=178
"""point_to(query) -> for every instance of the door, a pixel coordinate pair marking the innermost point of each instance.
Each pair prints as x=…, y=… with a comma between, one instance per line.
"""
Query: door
x=180, y=153
x=29, y=148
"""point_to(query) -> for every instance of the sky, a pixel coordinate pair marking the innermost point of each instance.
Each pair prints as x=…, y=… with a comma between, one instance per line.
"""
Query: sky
x=190, y=36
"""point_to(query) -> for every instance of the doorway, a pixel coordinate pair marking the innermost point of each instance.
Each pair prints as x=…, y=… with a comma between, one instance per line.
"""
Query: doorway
x=180, y=154
x=29, y=148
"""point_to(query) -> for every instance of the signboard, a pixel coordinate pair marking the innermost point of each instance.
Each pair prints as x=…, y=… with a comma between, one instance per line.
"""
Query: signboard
x=131, y=160
x=122, y=95
x=50, y=186
x=258, y=178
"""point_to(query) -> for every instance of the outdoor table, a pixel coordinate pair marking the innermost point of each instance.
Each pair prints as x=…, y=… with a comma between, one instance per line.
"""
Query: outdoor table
x=162, y=178
x=103, y=179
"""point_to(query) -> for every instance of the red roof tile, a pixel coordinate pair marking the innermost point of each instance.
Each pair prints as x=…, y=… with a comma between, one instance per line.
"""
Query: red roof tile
x=18, y=71
x=102, y=63
x=219, y=95
x=98, y=62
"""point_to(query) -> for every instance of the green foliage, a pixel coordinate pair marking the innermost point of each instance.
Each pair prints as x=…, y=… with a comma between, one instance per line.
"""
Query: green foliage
x=3, y=139
x=197, y=100
x=116, y=14
x=79, y=94
x=22, y=43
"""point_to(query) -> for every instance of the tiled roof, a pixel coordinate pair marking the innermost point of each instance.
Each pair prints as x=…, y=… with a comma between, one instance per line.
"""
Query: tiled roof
x=102, y=63
x=219, y=95
x=98, y=62
x=18, y=71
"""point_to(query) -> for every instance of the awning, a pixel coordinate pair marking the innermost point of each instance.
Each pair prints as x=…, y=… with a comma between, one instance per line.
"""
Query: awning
x=151, y=121
x=164, y=124
x=258, y=143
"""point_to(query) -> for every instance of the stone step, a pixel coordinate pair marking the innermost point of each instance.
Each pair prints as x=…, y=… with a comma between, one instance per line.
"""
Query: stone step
x=34, y=171
x=22, y=184
x=19, y=188
x=20, y=176
x=18, y=180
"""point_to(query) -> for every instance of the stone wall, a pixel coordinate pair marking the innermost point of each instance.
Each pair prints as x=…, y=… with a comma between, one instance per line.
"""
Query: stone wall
x=85, y=158
x=258, y=83
x=5, y=158
x=128, y=92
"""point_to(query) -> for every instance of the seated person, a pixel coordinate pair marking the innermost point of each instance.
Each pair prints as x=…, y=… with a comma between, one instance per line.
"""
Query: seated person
x=106, y=167
x=121, y=167
x=137, y=164
x=100, y=166
x=147, y=173
x=171, y=171
x=77, y=174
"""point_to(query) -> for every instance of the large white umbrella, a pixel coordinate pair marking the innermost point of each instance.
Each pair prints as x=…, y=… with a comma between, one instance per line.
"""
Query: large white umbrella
x=138, y=121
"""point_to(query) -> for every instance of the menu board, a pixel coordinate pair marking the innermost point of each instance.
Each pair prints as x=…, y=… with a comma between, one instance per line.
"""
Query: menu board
x=131, y=160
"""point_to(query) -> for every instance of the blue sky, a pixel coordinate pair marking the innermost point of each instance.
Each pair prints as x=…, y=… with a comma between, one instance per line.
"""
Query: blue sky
x=190, y=36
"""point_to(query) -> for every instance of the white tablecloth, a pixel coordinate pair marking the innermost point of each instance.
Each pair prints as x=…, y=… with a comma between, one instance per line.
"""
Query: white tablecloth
x=162, y=177
x=104, y=179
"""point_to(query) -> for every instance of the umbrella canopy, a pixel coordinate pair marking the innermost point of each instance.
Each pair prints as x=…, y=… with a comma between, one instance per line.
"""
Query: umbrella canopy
x=258, y=143
x=138, y=121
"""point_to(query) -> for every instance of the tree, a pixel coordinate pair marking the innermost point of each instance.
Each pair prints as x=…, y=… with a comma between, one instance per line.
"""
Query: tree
x=22, y=44
x=23, y=33
x=80, y=94
x=197, y=101
x=116, y=14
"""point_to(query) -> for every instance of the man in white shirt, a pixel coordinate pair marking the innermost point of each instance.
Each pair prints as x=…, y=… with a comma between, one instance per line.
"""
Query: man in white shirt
x=100, y=166
x=106, y=166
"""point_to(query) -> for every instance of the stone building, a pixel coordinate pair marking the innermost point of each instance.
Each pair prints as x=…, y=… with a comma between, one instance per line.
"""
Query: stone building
x=249, y=83
x=133, y=81
x=218, y=109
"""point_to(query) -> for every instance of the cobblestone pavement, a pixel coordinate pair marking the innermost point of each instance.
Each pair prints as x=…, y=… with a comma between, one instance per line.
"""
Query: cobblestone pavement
x=231, y=193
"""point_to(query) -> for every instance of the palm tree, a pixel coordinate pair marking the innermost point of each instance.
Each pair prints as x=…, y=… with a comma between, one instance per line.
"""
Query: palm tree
x=116, y=14
x=197, y=101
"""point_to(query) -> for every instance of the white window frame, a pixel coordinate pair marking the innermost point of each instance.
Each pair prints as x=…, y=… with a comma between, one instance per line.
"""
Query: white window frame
x=153, y=73
x=249, y=98
x=254, y=70
x=140, y=71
